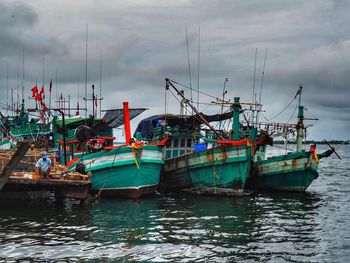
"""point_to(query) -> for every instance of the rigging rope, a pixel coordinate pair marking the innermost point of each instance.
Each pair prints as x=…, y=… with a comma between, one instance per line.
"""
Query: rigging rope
x=311, y=113
x=203, y=93
x=282, y=109
x=295, y=109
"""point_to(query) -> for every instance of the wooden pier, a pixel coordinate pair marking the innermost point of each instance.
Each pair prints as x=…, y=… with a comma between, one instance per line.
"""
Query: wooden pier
x=62, y=188
x=63, y=183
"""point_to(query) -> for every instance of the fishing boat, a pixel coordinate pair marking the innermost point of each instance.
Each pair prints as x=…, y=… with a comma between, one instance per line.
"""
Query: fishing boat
x=226, y=164
x=213, y=161
x=293, y=171
x=21, y=128
x=130, y=170
x=82, y=135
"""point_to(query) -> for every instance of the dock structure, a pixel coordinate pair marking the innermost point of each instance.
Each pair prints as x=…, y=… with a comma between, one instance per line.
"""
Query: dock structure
x=18, y=177
x=76, y=189
x=10, y=164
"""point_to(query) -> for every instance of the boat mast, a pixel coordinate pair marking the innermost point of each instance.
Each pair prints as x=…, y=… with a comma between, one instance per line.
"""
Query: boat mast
x=7, y=85
x=189, y=65
x=235, y=123
x=23, y=84
x=86, y=68
x=199, y=30
x=17, y=109
x=100, y=84
x=224, y=92
x=127, y=122
x=254, y=94
x=300, y=125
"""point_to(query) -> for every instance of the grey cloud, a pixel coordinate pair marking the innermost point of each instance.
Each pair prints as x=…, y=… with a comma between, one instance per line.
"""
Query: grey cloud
x=144, y=42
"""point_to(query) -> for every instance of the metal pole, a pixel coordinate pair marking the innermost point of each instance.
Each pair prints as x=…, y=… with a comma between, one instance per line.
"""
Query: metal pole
x=64, y=136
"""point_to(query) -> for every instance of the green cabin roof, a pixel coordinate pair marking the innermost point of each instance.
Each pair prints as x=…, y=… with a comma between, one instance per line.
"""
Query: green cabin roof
x=70, y=121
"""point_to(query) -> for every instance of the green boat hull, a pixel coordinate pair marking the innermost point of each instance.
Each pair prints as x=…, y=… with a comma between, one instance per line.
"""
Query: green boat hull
x=221, y=167
x=127, y=180
x=292, y=172
x=122, y=173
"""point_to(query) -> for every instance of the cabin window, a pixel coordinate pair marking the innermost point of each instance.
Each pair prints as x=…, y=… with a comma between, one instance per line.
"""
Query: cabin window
x=176, y=143
x=182, y=143
x=182, y=152
x=189, y=143
x=168, y=154
x=175, y=153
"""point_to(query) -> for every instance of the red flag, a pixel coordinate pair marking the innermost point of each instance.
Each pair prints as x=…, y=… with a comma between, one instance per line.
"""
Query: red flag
x=42, y=90
x=38, y=97
x=34, y=91
x=50, y=85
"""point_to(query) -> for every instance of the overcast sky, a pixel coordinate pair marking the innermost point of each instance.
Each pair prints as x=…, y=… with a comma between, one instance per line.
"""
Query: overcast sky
x=142, y=42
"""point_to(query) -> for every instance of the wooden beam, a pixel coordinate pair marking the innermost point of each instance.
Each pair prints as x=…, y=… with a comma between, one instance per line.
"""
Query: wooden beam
x=11, y=165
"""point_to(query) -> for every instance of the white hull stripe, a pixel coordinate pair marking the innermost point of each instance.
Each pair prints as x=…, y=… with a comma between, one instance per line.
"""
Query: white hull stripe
x=206, y=158
x=284, y=165
x=146, y=155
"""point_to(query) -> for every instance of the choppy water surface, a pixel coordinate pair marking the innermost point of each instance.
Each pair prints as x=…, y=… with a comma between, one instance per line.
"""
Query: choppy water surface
x=309, y=227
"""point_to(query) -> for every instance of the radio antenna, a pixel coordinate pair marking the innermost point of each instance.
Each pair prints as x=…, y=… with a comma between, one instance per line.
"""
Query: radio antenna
x=262, y=77
x=199, y=32
x=189, y=64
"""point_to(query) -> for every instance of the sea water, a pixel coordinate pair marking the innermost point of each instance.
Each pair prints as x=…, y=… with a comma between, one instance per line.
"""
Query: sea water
x=263, y=227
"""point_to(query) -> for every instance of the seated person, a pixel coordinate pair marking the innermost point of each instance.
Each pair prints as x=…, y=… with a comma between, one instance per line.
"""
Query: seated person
x=43, y=166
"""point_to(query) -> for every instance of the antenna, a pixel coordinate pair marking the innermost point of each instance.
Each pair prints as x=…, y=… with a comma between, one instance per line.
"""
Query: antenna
x=17, y=82
x=189, y=65
x=77, y=112
x=254, y=95
x=86, y=68
x=12, y=100
x=262, y=77
x=224, y=92
x=23, y=82
x=7, y=84
x=100, y=82
x=43, y=71
x=56, y=90
x=199, y=30
x=256, y=54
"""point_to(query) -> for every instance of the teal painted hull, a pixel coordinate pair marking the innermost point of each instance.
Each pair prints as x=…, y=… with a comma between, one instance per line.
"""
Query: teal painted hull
x=288, y=181
x=221, y=167
x=119, y=172
x=294, y=172
x=127, y=180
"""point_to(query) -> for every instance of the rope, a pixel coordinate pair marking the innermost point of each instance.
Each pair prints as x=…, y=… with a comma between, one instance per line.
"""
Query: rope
x=95, y=197
x=203, y=93
x=135, y=147
x=281, y=110
x=284, y=107
x=295, y=109
x=311, y=114
x=284, y=148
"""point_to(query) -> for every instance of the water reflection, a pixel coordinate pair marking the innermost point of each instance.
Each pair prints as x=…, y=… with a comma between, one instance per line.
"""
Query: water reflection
x=260, y=227
x=265, y=227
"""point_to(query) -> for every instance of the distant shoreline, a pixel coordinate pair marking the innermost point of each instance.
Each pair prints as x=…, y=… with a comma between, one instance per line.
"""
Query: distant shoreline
x=314, y=141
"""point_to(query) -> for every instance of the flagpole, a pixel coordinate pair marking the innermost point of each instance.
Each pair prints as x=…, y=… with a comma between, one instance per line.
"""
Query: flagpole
x=50, y=94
